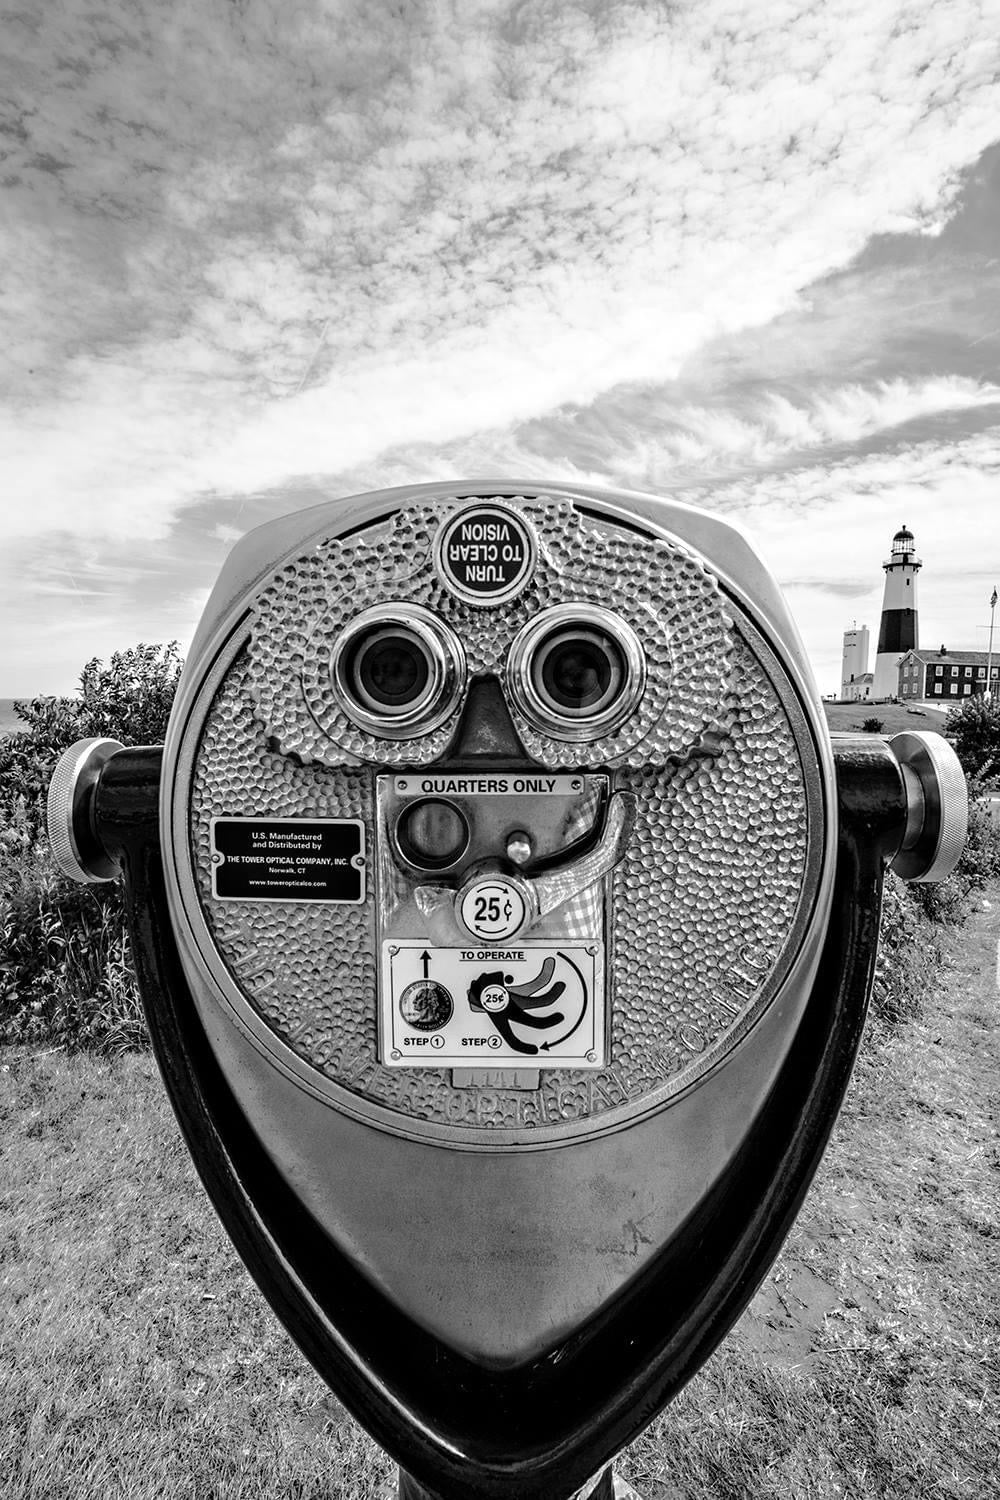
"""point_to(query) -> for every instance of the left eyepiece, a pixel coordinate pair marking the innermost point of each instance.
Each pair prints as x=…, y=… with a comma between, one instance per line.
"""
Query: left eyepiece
x=397, y=671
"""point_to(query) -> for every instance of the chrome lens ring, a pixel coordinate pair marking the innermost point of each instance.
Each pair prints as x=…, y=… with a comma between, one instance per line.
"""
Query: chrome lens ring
x=408, y=644
x=590, y=645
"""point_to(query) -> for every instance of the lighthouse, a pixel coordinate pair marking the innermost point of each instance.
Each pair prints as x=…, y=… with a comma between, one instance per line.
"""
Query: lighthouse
x=898, y=630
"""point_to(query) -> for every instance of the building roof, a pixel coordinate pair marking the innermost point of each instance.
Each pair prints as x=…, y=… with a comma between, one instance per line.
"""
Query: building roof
x=955, y=658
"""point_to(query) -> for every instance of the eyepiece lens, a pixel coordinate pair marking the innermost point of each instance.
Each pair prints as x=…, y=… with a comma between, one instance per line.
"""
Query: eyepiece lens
x=579, y=671
x=397, y=671
x=388, y=670
x=576, y=671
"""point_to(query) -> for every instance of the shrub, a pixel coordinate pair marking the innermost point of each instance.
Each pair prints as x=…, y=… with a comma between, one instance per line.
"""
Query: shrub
x=951, y=900
x=128, y=700
x=907, y=956
x=974, y=730
x=65, y=965
x=873, y=725
x=65, y=969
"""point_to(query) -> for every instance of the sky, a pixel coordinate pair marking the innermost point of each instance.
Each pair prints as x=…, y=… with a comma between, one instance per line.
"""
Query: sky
x=258, y=254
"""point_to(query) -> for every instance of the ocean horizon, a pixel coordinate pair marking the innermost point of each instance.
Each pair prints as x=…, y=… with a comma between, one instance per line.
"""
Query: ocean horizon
x=8, y=718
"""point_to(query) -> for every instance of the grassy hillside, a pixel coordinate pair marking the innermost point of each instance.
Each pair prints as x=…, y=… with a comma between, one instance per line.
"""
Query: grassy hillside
x=845, y=717
x=137, y=1359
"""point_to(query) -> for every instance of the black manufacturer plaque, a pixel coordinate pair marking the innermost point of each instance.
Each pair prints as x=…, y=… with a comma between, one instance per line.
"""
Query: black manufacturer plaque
x=288, y=859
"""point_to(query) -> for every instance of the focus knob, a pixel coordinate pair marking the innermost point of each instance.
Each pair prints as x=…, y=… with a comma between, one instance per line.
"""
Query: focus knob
x=76, y=848
x=937, y=801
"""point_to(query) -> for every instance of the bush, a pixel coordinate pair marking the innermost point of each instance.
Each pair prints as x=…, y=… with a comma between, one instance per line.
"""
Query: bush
x=873, y=726
x=974, y=730
x=907, y=956
x=65, y=967
x=128, y=700
x=951, y=900
x=65, y=971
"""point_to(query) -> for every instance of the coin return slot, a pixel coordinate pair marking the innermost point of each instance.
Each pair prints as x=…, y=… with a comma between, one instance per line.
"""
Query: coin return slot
x=432, y=834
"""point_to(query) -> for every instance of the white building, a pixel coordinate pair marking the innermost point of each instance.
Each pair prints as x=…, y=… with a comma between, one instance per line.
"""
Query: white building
x=855, y=664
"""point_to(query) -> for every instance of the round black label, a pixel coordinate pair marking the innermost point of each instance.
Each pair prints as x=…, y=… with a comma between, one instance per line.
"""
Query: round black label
x=485, y=554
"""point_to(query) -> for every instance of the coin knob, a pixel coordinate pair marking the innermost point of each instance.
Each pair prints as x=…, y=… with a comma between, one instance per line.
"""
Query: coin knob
x=76, y=849
x=937, y=800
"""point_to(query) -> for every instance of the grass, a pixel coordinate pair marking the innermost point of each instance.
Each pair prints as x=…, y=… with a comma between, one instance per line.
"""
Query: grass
x=137, y=1359
x=846, y=717
x=867, y=1365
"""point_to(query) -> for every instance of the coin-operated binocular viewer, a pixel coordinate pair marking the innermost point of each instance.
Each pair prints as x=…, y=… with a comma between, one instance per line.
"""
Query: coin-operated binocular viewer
x=505, y=921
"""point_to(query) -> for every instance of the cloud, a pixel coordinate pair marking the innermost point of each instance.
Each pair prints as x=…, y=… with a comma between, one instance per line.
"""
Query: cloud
x=651, y=436
x=247, y=245
x=223, y=532
x=841, y=517
x=858, y=589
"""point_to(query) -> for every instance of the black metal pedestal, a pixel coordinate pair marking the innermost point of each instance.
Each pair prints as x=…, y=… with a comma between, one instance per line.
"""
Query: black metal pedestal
x=605, y=1487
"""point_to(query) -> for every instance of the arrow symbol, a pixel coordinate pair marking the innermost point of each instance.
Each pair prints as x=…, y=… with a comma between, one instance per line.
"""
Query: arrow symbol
x=425, y=959
x=548, y=1046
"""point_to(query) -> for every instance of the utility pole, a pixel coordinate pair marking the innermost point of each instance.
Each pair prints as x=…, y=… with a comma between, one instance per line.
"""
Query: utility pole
x=988, y=694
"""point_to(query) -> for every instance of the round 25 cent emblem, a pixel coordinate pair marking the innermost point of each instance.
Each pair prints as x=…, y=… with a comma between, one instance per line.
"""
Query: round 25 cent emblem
x=492, y=910
x=486, y=553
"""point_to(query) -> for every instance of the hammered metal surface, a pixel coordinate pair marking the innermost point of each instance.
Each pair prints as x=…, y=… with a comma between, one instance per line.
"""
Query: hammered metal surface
x=307, y=969
x=662, y=590
x=704, y=901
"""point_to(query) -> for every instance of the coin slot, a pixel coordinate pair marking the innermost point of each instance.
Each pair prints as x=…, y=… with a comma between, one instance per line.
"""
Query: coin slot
x=432, y=834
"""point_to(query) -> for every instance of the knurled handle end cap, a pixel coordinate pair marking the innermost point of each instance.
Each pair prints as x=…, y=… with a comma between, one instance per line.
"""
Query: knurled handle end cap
x=75, y=848
x=933, y=773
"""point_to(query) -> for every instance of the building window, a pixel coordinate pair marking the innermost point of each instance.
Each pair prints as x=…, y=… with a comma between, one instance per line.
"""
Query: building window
x=954, y=671
x=967, y=687
x=968, y=671
x=980, y=671
x=937, y=685
x=938, y=671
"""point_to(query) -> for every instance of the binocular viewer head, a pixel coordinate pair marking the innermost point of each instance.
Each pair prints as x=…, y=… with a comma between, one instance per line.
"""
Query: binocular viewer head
x=505, y=927
x=496, y=743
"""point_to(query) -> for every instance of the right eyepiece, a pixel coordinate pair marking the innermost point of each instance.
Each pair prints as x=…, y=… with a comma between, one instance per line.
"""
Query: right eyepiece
x=576, y=671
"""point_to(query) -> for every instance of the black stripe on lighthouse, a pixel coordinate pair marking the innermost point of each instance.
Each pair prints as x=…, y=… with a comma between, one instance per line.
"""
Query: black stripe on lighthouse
x=898, y=631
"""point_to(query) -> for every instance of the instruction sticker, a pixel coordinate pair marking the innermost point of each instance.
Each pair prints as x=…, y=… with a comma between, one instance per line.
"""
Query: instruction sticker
x=288, y=859
x=533, y=1005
